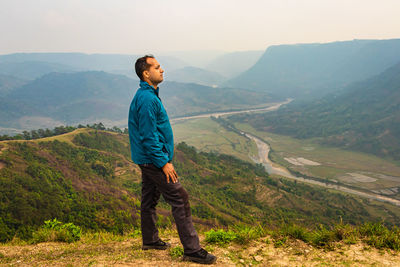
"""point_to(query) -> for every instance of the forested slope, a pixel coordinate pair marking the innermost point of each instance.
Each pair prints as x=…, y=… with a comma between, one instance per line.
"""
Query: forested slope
x=364, y=117
x=86, y=177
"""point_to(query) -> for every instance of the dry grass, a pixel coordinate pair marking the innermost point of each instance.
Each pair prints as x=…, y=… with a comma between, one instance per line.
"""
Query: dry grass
x=104, y=249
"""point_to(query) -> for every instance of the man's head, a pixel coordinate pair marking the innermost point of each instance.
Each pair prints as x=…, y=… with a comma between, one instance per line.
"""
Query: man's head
x=149, y=70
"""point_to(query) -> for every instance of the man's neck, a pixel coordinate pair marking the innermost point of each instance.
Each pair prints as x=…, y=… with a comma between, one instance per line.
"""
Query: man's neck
x=155, y=86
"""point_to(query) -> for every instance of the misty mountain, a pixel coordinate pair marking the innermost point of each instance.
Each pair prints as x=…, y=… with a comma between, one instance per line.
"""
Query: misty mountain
x=7, y=83
x=364, y=117
x=315, y=69
x=87, y=97
x=232, y=64
x=196, y=58
x=120, y=64
x=195, y=75
x=30, y=70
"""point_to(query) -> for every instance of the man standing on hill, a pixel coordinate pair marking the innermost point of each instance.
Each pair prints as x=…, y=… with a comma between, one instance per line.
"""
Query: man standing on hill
x=152, y=148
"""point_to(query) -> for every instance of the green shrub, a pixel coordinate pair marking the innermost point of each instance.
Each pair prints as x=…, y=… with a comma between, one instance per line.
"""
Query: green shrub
x=295, y=231
x=54, y=230
x=176, y=252
x=346, y=232
x=280, y=241
x=220, y=237
x=244, y=234
x=323, y=238
x=136, y=233
x=372, y=229
x=379, y=236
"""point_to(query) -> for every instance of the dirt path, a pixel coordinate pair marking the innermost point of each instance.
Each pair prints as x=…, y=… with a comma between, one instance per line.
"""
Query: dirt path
x=2, y=164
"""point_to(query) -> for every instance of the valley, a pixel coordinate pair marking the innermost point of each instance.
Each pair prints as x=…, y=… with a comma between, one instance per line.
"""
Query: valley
x=305, y=161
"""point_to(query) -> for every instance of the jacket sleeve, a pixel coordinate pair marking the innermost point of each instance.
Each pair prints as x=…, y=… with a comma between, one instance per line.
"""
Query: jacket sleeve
x=149, y=135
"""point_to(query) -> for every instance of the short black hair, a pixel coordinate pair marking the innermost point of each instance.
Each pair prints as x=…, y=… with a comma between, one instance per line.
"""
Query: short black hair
x=142, y=65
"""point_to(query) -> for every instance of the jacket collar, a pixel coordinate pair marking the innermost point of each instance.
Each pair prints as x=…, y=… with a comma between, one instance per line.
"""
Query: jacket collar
x=147, y=86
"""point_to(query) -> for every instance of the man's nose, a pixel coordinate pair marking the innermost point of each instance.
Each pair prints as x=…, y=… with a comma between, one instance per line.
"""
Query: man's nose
x=162, y=70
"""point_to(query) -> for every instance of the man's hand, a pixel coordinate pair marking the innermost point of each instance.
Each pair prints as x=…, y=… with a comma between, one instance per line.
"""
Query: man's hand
x=170, y=172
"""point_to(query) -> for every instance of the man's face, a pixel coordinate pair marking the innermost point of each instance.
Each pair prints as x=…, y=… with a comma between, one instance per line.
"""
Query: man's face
x=155, y=73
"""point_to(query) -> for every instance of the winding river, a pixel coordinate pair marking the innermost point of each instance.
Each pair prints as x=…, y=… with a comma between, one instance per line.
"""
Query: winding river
x=273, y=168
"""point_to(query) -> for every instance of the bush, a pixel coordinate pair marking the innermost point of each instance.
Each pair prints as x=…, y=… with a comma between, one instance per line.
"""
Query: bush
x=379, y=236
x=136, y=233
x=346, y=233
x=240, y=235
x=176, y=252
x=280, y=242
x=295, y=231
x=220, y=237
x=243, y=234
x=54, y=230
x=323, y=238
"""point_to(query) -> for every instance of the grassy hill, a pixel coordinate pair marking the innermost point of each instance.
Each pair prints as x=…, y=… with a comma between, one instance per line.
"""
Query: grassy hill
x=364, y=117
x=310, y=70
x=86, y=177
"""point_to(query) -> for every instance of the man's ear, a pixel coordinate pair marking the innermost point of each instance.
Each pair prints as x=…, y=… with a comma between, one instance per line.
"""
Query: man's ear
x=146, y=74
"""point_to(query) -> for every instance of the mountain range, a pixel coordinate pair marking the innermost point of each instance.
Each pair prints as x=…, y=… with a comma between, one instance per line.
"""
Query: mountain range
x=313, y=70
x=60, y=62
x=195, y=75
x=93, y=96
x=234, y=63
x=7, y=83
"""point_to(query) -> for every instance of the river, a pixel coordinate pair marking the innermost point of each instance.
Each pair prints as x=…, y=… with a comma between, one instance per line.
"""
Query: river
x=274, y=106
x=273, y=168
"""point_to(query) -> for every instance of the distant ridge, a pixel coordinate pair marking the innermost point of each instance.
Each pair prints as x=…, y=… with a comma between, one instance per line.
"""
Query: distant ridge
x=117, y=63
x=234, y=63
x=195, y=75
x=309, y=70
x=94, y=96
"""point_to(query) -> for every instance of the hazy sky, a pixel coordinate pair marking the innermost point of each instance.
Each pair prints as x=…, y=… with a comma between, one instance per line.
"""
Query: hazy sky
x=141, y=26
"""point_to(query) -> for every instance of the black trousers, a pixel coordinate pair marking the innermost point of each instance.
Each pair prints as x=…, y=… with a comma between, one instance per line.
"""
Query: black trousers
x=154, y=183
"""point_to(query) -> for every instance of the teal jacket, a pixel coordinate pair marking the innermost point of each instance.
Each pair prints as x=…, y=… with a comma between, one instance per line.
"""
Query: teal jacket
x=150, y=132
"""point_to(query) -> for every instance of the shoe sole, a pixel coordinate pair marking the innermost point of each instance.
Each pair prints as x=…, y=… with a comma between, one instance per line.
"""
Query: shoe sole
x=197, y=260
x=155, y=247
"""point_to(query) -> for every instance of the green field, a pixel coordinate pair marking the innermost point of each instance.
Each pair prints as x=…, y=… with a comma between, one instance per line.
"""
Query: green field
x=208, y=136
x=353, y=168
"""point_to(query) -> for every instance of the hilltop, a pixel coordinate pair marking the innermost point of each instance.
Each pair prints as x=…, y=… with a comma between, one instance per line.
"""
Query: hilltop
x=104, y=250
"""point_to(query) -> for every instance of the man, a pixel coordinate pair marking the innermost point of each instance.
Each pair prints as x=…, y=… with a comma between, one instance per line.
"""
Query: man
x=152, y=148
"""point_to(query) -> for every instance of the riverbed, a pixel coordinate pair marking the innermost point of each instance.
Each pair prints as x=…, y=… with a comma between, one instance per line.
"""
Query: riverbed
x=273, y=168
